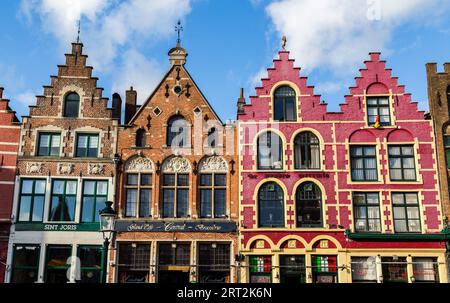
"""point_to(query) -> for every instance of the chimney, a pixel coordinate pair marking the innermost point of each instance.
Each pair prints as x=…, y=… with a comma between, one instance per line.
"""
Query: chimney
x=130, y=104
x=241, y=103
x=1, y=93
x=117, y=107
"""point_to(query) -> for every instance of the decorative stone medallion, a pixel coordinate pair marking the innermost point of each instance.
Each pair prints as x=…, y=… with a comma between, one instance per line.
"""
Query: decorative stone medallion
x=65, y=168
x=35, y=168
x=96, y=169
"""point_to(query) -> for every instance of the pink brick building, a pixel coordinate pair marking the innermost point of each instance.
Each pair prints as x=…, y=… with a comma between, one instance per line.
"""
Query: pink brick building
x=9, y=143
x=349, y=196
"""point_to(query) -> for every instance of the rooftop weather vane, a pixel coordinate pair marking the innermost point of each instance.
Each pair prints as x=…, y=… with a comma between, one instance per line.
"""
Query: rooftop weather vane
x=283, y=42
x=79, y=31
x=179, y=29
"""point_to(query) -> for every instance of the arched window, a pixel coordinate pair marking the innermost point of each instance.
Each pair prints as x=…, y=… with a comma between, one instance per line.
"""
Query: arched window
x=284, y=104
x=306, y=151
x=71, y=105
x=175, y=188
x=309, y=205
x=271, y=205
x=140, y=138
x=270, y=151
x=177, y=132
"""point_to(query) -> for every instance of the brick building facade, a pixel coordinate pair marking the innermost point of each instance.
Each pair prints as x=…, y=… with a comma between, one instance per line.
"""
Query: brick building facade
x=9, y=142
x=349, y=196
x=177, y=195
x=65, y=174
x=439, y=101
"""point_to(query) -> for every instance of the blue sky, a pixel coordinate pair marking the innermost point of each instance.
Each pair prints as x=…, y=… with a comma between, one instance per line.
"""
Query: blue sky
x=230, y=43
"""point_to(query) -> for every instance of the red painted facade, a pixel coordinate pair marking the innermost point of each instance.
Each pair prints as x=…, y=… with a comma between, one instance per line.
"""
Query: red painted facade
x=337, y=133
x=9, y=143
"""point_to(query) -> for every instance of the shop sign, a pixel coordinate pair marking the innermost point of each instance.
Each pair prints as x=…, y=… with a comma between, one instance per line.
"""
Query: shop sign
x=57, y=227
x=165, y=226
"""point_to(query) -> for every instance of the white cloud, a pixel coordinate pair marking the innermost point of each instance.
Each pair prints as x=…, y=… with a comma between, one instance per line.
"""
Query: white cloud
x=138, y=71
x=328, y=87
x=339, y=34
x=26, y=98
x=108, y=26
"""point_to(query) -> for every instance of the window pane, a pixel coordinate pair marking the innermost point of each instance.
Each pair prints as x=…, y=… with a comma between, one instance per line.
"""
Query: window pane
x=168, y=180
x=102, y=188
x=426, y=269
x=145, y=202
x=206, y=203
x=89, y=187
x=82, y=141
x=168, y=202
x=88, y=208
x=25, y=208
x=146, y=179
x=220, y=180
x=219, y=202
x=183, y=180
x=397, y=199
x=27, y=186
x=38, y=209
x=132, y=179
x=71, y=188
x=58, y=187
x=39, y=186
x=411, y=198
x=99, y=205
x=399, y=213
x=93, y=141
x=206, y=180
x=182, y=203
x=131, y=203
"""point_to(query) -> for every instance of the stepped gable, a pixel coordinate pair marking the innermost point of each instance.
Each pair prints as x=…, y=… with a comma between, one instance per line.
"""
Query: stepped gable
x=73, y=76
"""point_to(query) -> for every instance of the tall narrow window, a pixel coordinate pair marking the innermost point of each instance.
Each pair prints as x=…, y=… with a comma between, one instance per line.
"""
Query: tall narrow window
x=447, y=150
x=174, y=254
x=49, y=144
x=139, y=195
x=285, y=104
x=71, y=105
x=64, y=199
x=367, y=212
x=31, y=200
x=87, y=145
x=214, y=263
x=270, y=151
x=309, y=205
x=378, y=110
x=406, y=212
x=213, y=195
x=271, y=205
x=401, y=163
x=95, y=194
x=175, y=195
x=363, y=161
x=177, y=132
x=25, y=263
x=140, y=138
x=306, y=151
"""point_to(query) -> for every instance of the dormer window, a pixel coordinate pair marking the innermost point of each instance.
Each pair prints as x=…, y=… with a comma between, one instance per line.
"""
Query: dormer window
x=284, y=104
x=71, y=105
x=378, y=111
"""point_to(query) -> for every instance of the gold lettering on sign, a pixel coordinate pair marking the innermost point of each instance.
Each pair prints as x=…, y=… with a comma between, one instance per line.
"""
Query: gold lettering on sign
x=292, y=244
x=323, y=243
x=260, y=244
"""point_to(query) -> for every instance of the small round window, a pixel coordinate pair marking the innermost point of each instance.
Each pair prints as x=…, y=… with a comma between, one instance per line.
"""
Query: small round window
x=177, y=89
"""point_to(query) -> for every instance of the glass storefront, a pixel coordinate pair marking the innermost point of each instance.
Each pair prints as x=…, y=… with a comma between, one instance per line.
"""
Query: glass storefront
x=134, y=263
x=214, y=263
x=25, y=263
x=292, y=269
x=57, y=263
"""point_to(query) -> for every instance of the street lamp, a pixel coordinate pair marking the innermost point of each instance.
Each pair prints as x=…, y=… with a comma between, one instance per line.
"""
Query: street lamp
x=107, y=222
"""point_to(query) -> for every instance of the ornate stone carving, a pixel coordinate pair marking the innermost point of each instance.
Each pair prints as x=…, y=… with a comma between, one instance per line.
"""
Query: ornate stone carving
x=139, y=164
x=176, y=165
x=35, y=168
x=96, y=169
x=212, y=164
x=65, y=168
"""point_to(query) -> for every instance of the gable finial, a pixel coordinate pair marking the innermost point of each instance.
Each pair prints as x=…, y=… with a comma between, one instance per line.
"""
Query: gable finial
x=79, y=30
x=283, y=42
x=179, y=29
